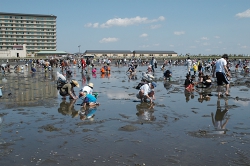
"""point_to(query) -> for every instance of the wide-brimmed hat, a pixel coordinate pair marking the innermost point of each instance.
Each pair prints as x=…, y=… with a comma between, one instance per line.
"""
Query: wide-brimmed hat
x=91, y=85
x=153, y=84
x=75, y=82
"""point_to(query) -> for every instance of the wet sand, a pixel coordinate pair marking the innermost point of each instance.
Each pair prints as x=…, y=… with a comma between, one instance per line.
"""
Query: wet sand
x=38, y=128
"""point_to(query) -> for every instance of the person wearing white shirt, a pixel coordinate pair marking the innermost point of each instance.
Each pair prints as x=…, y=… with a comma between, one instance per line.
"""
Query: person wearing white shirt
x=189, y=65
x=88, y=88
x=147, y=92
x=221, y=70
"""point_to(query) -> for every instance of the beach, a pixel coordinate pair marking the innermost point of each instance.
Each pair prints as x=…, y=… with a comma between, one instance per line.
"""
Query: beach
x=38, y=127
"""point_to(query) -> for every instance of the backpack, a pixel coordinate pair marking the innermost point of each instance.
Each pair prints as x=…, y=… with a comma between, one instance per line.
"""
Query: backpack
x=140, y=85
x=60, y=83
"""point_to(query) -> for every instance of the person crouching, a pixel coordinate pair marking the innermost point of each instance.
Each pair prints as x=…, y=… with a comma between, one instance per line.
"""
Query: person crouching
x=147, y=92
x=68, y=90
x=88, y=100
x=189, y=84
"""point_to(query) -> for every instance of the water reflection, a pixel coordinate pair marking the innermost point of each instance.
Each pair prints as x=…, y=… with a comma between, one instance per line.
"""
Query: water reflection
x=67, y=108
x=204, y=94
x=167, y=85
x=220, y=119
x=188, y=94
x=105, y=75
x=145, y=111
x=87, y=112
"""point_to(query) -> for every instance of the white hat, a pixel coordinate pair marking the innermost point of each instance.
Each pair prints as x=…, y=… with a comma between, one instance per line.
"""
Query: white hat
x=91, y=85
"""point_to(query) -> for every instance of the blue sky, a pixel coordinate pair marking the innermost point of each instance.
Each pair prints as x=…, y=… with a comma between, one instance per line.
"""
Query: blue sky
x=185, y=26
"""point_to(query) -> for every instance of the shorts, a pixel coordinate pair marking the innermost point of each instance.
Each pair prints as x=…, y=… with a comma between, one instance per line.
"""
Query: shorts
x=63, y=93
x=221, y=77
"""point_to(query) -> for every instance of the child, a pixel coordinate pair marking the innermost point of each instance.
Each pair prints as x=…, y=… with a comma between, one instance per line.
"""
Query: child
x=103, y=71
x=93, y=70
x=168, y=75
x=89, y=100
x=206, y=82
x=189, y=85
x=195, y=67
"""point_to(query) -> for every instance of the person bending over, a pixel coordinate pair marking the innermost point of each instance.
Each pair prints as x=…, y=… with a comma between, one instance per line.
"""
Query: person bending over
x=68, y=90
x=147, y=92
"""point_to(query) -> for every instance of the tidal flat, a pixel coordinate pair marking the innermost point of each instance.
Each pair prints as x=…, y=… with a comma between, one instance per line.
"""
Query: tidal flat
x=38, y=127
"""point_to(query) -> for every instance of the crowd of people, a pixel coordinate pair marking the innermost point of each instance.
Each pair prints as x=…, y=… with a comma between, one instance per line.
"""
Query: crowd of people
x=199, y=75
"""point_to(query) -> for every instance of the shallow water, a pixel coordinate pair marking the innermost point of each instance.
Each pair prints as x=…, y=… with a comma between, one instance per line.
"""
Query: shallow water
x=38, y=128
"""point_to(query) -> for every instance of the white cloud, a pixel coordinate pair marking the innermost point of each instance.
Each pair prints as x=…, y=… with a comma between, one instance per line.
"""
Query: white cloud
x=217, y=37
x=205, y=44
x=155, y=26
x=179, y=32
x=171, y=45
x=243, y=47
x=125, y=22
x=204, y=38
x=88, y=25
x=95, y=25
x=108, y=40
x=157, y=44
x=244, y=14
x=144, y=35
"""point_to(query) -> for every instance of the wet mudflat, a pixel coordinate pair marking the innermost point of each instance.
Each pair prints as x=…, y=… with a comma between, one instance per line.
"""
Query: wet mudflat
x=37, y=127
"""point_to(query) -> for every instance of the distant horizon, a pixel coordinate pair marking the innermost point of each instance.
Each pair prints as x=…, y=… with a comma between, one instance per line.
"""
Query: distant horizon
x=186, y=27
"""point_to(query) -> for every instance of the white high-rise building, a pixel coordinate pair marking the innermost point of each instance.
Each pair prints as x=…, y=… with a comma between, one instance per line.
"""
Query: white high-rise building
x=36, y=31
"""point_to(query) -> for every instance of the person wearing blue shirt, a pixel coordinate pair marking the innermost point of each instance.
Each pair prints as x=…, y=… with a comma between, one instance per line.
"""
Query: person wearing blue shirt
x=88, y=99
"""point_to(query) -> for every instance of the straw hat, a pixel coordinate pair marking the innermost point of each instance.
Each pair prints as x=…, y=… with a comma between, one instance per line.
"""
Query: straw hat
x=91, y=85
x=76, y=83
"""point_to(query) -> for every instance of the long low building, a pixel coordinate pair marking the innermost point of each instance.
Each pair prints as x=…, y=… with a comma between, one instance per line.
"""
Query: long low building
x=128, y=53
x=18, y=51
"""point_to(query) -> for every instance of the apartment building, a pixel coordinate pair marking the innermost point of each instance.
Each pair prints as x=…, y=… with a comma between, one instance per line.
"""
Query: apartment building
x=36, y=31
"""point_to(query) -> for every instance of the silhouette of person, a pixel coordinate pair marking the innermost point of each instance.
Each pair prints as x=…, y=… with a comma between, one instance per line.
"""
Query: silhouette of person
x=88, y=112
x=67, y=108
x=145, y=111
x=219, y=120
x=188, y=94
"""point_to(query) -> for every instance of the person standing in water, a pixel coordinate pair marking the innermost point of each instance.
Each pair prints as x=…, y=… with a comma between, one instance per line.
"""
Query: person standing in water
x=221, y=71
